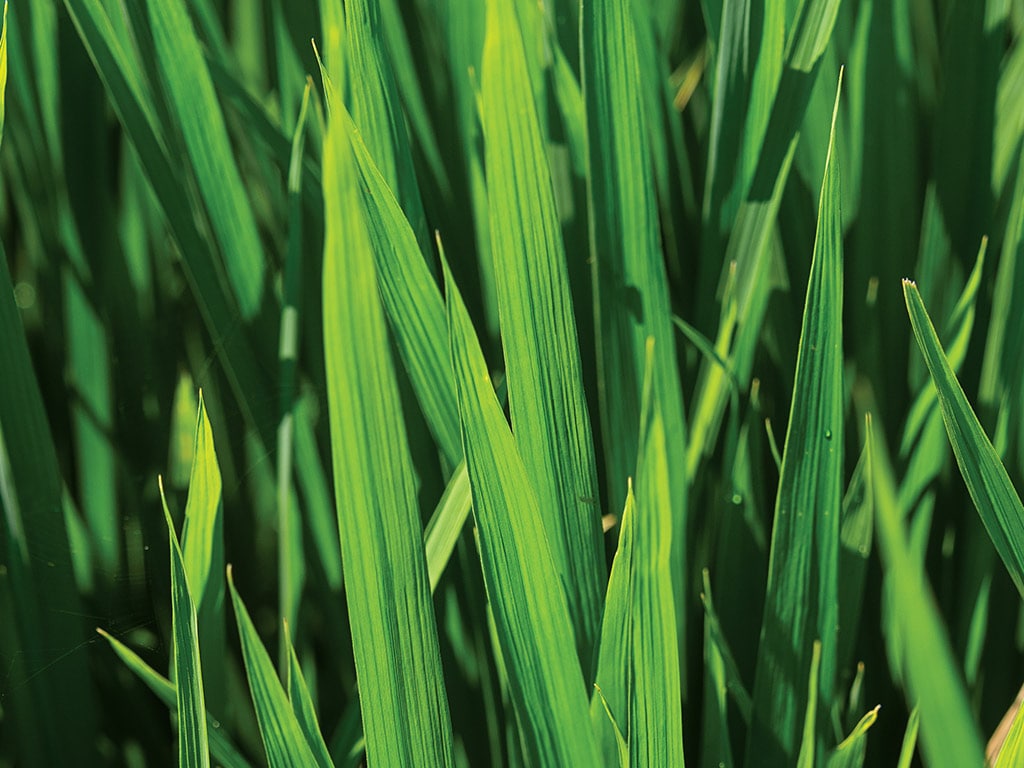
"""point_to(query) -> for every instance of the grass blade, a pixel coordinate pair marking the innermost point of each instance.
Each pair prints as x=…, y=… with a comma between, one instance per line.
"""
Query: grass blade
x=850, y=752
x=190, y=90
x=545, y=392
x=997, y=502
x=302, y=706
x=531, y=617
x=193, y=747
x=802, y=592
x=394, y=637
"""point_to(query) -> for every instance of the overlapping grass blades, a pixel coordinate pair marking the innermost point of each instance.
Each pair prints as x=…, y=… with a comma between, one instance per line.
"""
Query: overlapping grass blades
x=994, y=496
x=401, y=691
x=532, y=622
x=801, y=603
x=545, y=393
x=190, y=92
x=631, y=297
x=193, y=746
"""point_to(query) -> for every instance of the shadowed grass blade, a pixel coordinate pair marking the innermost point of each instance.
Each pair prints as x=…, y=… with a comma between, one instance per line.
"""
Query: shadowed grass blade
x=545, y=389
x=394, y=637
x=801, y=604
x=193, y=748
x=531, y=617
x=997, y=502
x=190, y=91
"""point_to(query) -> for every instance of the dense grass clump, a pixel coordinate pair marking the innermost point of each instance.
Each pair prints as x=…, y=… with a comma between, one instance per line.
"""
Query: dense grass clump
x=512, y=383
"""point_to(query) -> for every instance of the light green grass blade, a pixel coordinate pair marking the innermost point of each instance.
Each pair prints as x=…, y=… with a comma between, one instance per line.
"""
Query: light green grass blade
x=377, y=109
x=1012, y=752
x=531, y=617
x=202, y=547
x=655, y=717
x=283, y=737
x=411, y=299
x=802, y=592
x=909, y=745
x=720, y=672
x=3, y=72
x=997, y=502
x=190, y=91
x=314, y=484
x=394, y=637
x=916, y=636
x=221, y=748
x=445, y=525
x=851, y=750
x=193, y=746
x=631, y=286
x=302, y=706
x=545, y=390
x=807, y=741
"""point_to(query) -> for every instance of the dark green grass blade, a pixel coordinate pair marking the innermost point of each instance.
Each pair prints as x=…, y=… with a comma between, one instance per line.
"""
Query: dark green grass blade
x=997, y=502
x=193, y=746
x=283, y=737
x=545, y=389
x=221, y=748
x=190, y=91
x=401, y=690
x=53, y=712
x=916, y=637
x=531, y=618
x=806, y=757
x=631, y=286
x=802, y=591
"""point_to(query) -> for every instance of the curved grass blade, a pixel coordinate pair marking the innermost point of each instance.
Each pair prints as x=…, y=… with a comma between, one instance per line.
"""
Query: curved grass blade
x=1010, y=752
x=222, y=749
x=916, y=637
x=851, y=750
x=531, y=617
x=190, y=90
x=801, y=603
x=283, y=737
x=997, y=502
x=193, y=747
x=542, y=362
x=394, y=636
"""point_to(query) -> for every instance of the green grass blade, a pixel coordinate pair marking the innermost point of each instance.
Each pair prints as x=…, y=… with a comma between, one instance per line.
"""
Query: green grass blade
x=655, y=718
x=631, y=295
x=997, y=502
x=202, y=546
x=1012, y=751
x=909, y=745
x=916, y=636
x=445, y=525
x=802, y=592
x=193, y=742
x=190, y=90
x=545, y=391
x=851, y=750
x=807, y=741
x=283, y=737
x=222, y=749
x=302, y=706
x=394, y=637
x=856, y=530
x=531, y=617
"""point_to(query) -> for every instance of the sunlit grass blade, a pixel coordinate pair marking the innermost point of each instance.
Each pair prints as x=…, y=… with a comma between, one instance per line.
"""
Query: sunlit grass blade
x=202, y=546
x=190, y=90
x=445, y=525
x=222, y=750
x=631, y=301
x=531, y=618
x=302, y=705
x=851, y=750
x=1010, y=752
x=193, y=742
x=394, y=636
x=801, y=603
x=283, y=737
x=916, y=637
x=994, y=496
x=542, y=361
